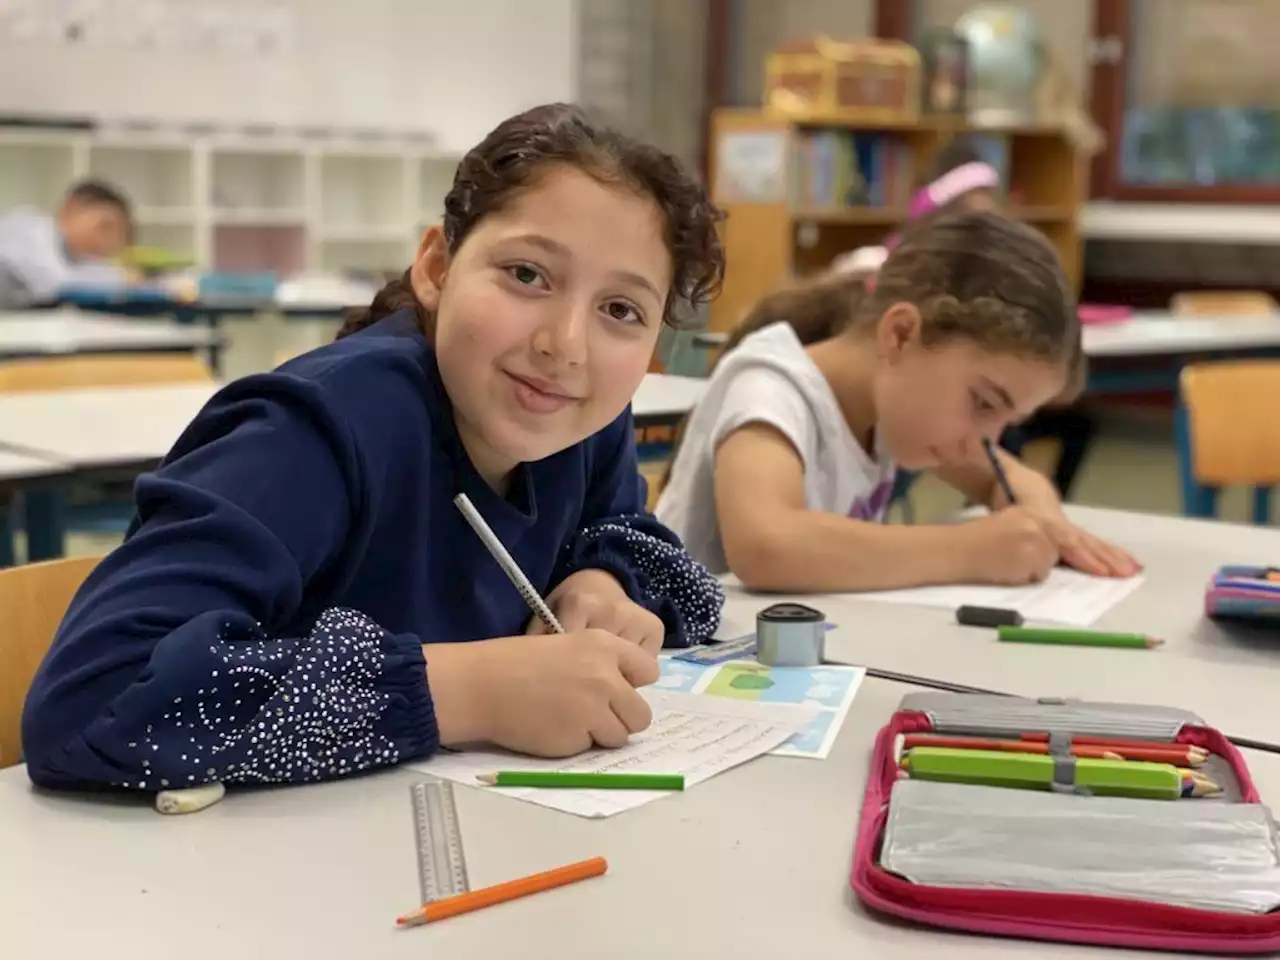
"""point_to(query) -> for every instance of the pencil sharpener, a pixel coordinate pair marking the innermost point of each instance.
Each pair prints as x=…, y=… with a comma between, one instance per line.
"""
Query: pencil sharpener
x=790, y=635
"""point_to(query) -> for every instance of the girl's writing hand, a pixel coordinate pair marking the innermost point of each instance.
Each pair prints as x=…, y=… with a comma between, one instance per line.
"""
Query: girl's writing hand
x=550, y=696
x=592, y=599
x=1008, y=547
x=1082, y=550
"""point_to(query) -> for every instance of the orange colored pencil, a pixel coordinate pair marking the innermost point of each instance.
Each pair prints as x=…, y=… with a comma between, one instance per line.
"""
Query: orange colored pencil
x=502, y=892
x=1182, y=754
x=1084, y=751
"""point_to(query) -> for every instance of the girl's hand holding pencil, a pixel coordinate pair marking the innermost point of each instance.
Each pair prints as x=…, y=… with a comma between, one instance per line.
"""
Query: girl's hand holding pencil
x=547, y=696
x=593, y=599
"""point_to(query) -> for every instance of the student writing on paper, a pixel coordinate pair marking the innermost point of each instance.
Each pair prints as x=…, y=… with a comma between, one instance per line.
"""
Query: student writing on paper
x=962, y=180
x=42, y=256
x=787, y=465
x=300, y=599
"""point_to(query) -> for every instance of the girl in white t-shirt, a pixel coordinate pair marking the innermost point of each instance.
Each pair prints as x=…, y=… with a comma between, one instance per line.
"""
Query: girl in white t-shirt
x=786, y=466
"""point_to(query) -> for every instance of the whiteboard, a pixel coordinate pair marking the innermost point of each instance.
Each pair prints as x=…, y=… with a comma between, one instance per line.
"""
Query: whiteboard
x=455, y=67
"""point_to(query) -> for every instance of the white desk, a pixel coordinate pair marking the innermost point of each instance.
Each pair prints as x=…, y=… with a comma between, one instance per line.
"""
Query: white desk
x=116, y=426
x=40, y=333
x=1180, y=222
x=753, y=863
x=96, y=428
x=16, y=465
x=666, y=398
x=1159, y=333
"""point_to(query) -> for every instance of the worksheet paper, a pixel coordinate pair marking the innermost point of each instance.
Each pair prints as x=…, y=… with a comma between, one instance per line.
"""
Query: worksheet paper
x=1065, y=597
x=828, y=689
x=691, y=734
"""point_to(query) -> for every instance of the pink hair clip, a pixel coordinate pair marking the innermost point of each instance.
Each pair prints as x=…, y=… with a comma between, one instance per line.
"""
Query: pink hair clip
x=951, y=186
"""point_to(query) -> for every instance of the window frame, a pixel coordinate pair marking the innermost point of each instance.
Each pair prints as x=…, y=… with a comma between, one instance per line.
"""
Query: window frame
x=1112, y=23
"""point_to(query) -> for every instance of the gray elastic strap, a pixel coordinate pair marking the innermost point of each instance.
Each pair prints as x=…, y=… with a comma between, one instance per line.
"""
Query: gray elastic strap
x=1064, y=774
x=1060, y=743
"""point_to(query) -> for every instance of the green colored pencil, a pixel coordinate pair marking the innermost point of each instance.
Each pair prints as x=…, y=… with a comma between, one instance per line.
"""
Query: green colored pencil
x=1076, y=638
x=1033, y=771
x=584, y=781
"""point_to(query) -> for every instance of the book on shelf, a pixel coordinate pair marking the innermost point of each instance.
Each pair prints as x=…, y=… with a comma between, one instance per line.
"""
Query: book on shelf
x=832, y=169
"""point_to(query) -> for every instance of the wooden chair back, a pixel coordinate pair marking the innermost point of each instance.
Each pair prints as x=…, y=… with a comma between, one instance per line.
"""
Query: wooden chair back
x=1231, y=421
x=101, y=370
x=1223, y=303
x=34, y=598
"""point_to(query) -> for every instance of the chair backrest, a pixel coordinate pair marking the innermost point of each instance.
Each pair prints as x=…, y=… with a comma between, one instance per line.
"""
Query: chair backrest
x=33, y=597
x=1231, y=419
x=1223, y=303
x=101, y=370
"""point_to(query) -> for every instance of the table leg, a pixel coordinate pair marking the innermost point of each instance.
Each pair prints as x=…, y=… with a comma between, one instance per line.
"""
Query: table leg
x=1262, y=506
x=46, y=518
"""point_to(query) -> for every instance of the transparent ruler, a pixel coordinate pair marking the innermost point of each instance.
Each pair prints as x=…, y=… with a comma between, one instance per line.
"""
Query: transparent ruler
x=442, y=864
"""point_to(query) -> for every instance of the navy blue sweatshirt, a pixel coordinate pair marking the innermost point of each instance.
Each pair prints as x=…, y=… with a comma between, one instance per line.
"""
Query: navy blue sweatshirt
x=264, y=619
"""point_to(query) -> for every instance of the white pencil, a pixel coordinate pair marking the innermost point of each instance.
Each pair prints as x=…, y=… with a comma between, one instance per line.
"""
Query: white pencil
x=507, y=562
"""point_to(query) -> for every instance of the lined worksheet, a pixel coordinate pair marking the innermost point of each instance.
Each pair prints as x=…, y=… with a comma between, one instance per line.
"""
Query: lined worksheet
x=1065, y=597
x=695, y=735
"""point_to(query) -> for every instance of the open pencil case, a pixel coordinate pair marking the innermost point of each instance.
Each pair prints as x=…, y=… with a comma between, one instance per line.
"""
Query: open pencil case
x=1187, y=876
x=1244, y=593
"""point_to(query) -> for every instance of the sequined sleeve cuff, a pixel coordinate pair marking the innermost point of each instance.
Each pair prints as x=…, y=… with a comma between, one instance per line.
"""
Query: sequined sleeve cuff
x=223, y=702
x=652, y=566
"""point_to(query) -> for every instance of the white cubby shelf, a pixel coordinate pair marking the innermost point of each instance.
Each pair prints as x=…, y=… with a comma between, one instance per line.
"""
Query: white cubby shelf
x=287, y=203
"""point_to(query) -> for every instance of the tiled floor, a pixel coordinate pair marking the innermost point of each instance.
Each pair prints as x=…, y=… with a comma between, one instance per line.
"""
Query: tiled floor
x=1131, y=466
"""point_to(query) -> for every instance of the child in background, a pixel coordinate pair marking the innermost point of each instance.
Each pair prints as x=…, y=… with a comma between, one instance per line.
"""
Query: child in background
x=786, y=465
x=299, y=598
x=42, y=256
x=959, y=180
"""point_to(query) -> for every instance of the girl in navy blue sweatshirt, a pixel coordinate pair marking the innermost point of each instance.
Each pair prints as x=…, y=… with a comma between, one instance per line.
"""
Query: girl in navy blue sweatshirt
x=299, y=599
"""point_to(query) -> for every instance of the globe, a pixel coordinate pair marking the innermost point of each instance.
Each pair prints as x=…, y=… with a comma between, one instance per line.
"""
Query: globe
x=1005, y=59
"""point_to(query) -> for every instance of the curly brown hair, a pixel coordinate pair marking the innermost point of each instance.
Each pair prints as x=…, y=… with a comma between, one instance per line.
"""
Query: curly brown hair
x=523, y=148
x=975, y=276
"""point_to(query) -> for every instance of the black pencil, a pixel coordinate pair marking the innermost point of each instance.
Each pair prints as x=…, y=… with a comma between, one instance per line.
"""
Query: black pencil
x=1001, y=477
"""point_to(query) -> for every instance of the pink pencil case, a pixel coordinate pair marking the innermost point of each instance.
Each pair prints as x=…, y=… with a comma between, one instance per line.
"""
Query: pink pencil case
x=1087, y=918
x=1243, y=593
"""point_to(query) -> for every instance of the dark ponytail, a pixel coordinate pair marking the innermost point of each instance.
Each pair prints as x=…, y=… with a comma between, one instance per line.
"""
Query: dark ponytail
x=395, y=296
x=816, y=310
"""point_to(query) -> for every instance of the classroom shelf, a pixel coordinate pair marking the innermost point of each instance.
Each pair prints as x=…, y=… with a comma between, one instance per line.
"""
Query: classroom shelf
x=151, y=176
x=260, y=216
x=890, y=216
x=435, y=177
x=33, y=174
x=801, y=191
x=362, y=190
x=374, y=256
x=256, y=181
x=164, y=216
x=275, y=201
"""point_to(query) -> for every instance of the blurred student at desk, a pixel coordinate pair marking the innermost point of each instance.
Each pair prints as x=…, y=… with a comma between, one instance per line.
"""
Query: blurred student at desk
x=43, y=255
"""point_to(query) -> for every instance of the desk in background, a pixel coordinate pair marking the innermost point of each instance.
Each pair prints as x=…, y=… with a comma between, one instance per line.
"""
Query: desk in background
x=753, y=863
x=43, y=333
x=90, y=431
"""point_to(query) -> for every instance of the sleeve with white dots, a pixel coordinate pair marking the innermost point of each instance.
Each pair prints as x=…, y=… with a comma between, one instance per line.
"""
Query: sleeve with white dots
x=617, y=534
x=651, y=564
x=246, y=708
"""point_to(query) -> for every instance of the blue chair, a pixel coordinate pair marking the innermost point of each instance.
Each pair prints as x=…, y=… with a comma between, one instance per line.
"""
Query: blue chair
x=1227, y=433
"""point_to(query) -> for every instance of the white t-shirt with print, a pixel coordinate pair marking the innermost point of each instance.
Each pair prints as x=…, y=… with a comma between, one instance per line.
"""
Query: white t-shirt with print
x=770, y=379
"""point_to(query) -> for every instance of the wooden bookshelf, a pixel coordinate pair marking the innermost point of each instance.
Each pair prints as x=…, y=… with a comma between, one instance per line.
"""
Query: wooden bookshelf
x=777, y=230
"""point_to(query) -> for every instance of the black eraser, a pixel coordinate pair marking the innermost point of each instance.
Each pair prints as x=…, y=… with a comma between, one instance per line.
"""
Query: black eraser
x=988, y=617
